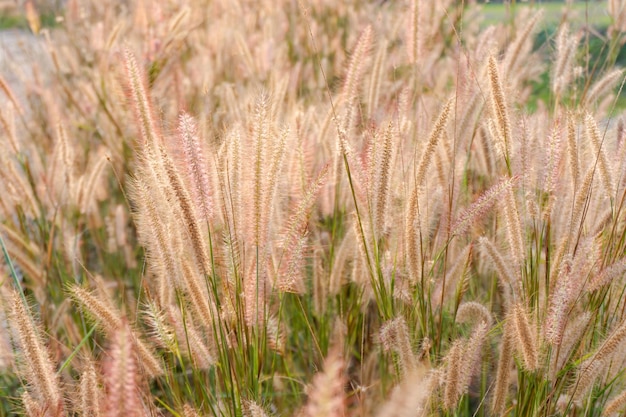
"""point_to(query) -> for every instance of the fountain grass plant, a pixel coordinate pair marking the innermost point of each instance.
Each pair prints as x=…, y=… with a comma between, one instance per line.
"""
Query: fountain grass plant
x=316, y=208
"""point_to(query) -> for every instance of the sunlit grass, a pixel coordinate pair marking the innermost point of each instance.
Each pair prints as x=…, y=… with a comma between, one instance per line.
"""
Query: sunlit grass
x=314, y=209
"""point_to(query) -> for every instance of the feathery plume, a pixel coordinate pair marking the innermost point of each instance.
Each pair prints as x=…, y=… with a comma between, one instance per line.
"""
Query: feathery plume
x=157, y=235
x=111, y=321
x=413, y=32
x=4, y=86
x=159, y=331
x=521, y=43
x=498, y=403
x=18, y=186
x=565, y=52
x=620, y=132
x=499, y=110
x=40, y=369
x=104, y=314
x=31, y=407
x=261, y=132
x=593, y=367
x=189, y=411
x=615, y=404
x=66, y=154
x=552, y=165
x=572, y=148
x=271, y=181
x=376, y=79
x=381, y=179
x=298, y=220
x=526, y=337
x=411, y=397
x=356, y=66
x=232, y=168
x=513, y=228
x=122, y=397
x=602, y=86
x=276, y=337
x=141, y=103
x=85, y=197
x=509, y=281
x=611, y=344
x=588, y=373
x=482, y=205
x=202, y=305
x=473, y=311
x=89, y=393
x=413, y=239
x=572, y=335
x=255, y=293
x=472, y=354
x=189, y=215
x=582, y=194
x=195, y=163
x=412, y=234
x=252, y=409
x=436, y=134
x=607, y=275
x=394, y=336
x=327, y=395
x=191, y=340
x=452, y=390
x=591, y=129
x=559, y=304
x=291, y=279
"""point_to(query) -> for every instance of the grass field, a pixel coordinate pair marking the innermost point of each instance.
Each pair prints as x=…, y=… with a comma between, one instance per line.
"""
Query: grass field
x=269, y=208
